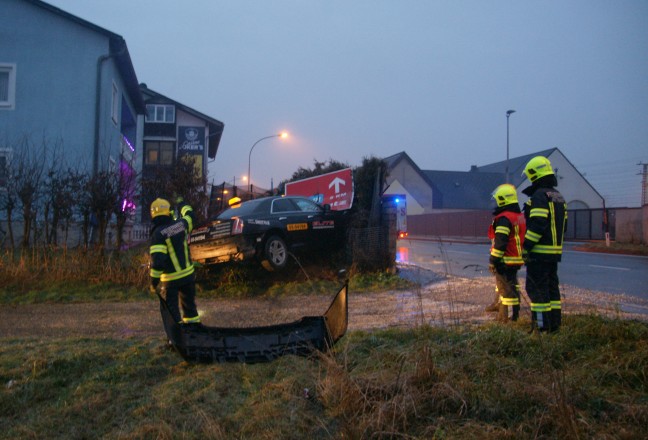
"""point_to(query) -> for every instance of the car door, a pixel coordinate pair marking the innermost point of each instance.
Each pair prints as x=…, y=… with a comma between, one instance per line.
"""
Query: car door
x=321, y=223
x=293, y=221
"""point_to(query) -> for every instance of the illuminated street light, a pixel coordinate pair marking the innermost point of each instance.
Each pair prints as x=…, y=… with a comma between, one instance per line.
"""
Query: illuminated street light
x=508, y=114
x=282, y=135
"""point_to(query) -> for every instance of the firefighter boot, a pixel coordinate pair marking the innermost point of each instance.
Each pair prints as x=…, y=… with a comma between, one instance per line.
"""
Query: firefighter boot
x=555, y=318
x=502, y=314
x=516, y=313
x=495, y=305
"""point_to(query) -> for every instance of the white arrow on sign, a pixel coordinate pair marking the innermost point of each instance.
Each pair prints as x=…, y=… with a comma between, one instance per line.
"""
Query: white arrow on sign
x=337, y=182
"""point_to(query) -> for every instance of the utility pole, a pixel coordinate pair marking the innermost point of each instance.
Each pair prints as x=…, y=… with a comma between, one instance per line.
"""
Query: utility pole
x=644, y=184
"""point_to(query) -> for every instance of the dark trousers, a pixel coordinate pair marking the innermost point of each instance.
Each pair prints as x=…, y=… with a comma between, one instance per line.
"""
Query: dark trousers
x=182, y=291
x=506, y=285
x=542, y=286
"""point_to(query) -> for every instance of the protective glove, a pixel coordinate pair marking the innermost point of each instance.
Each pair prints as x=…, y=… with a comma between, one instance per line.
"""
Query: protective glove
x=525, y=256
x=492, y=269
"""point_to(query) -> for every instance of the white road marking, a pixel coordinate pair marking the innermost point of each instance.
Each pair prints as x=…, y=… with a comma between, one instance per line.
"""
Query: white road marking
x=610, y=267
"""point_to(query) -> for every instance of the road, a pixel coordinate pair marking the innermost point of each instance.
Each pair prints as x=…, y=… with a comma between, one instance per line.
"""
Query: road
x=594, y=271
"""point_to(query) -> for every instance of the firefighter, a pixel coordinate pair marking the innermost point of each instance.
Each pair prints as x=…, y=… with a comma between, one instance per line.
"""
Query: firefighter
x=546, y=216
x=171, y=265
x=506, y=233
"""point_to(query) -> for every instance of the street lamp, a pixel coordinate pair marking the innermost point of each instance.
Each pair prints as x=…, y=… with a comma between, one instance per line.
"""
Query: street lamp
x=281, y=135
x=508, y=114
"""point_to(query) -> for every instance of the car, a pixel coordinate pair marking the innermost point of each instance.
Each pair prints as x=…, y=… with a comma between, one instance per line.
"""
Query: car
x=268, y=230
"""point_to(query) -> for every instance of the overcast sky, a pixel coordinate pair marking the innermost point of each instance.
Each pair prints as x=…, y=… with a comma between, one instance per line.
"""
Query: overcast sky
x=357, y=78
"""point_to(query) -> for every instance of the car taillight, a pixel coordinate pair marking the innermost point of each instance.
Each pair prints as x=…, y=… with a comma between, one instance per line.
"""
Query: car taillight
x=237, y=226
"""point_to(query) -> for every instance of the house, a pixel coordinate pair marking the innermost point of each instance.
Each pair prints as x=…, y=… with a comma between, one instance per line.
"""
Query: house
x=431, y=191
x=69, y=86
x=172, y=131
x=66, y=82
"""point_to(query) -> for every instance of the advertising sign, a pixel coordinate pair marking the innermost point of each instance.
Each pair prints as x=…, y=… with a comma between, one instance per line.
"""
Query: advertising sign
x=191, y=143
x=335, y=189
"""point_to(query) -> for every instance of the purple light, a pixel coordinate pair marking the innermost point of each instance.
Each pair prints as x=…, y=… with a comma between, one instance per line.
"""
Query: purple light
x=128, y=143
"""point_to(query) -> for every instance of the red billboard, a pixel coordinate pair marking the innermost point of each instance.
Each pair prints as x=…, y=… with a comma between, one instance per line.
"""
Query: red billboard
x=335, y=189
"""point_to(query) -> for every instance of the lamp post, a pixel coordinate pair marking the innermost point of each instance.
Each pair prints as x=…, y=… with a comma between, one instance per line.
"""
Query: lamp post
x=508, y=114
x=281, y=135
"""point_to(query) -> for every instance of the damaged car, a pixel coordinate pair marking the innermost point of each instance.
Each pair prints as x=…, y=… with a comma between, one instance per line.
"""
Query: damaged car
x=268, y=230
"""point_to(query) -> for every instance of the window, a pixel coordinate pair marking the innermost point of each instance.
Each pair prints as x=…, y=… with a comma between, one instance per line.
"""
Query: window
x=7, y=86
x=160, y=113
x=158, y=153
x=115, y=103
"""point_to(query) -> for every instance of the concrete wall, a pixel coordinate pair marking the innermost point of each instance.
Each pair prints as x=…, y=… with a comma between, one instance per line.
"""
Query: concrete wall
x=629, y=225
x=460, y=224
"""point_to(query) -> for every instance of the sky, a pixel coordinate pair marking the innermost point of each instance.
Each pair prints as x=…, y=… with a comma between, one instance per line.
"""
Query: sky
x=350, y=79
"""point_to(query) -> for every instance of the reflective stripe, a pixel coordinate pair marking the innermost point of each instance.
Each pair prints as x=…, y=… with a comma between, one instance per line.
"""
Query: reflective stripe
x=540, y=307
x=173, y=256
x=510, y=301
x=155, y=273
x=177, y=275
x=502, y=230
x=496, y=253
x=192, y=320
x=532, y=236
x=513, y=260
x=185, y=209
x=556, y=305
x=158, y=248
x=545, y=249
x=554, y=235
x=539, y=212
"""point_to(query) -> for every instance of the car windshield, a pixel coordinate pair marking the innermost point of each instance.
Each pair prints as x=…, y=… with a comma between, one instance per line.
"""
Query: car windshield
x=244, y=208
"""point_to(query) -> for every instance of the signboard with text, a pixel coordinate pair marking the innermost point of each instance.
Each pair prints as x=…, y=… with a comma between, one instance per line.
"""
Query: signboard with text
x=191, y=143
x=335, y=189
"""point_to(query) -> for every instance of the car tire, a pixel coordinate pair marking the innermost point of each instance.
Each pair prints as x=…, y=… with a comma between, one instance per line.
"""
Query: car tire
x=275, y=253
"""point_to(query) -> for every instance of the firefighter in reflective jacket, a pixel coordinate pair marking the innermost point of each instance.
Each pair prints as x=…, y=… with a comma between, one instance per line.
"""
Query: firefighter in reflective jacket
x=171, y=265
x=507, y=235
x=546, y=216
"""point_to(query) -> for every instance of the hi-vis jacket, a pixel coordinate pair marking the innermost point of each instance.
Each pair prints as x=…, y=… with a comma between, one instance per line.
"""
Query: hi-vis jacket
x=170, y=258
x=507, y=235
x=546, y=215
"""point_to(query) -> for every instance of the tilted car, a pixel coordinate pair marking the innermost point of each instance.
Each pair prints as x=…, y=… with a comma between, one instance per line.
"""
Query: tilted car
x=269, y=229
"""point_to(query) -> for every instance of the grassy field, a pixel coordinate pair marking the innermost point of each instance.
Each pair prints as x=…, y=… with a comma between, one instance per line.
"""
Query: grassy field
x=493, y=382
x=460, y=382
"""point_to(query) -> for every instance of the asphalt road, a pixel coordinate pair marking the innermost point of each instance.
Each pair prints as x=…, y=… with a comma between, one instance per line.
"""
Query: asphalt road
x=609, y=273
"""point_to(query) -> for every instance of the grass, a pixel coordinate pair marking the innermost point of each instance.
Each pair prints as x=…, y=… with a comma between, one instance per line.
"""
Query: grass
x=77, y=276
x=493, y=382
x=617, y=248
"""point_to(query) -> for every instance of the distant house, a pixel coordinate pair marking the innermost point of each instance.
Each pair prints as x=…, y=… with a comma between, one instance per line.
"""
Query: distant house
x=173, y=130
x=431, y=191
x=68, y=82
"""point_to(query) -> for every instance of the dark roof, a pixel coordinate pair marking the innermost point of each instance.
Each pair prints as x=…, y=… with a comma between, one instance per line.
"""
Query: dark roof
x=463, y=190
x=118, y=50
x=216, y=127
x=516, y=166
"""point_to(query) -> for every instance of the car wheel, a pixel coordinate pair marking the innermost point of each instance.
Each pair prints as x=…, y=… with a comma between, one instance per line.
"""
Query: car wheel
x=275, y=253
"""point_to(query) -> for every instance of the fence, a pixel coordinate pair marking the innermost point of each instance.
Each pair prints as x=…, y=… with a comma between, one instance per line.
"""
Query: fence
x=582, y=224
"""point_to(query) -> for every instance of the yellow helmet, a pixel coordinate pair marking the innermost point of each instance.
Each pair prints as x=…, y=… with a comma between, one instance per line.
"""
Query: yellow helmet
x=505, y=195
x=538, y=167
x=160, y=207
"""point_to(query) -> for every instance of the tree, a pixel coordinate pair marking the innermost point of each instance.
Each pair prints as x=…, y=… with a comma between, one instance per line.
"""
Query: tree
x=181, y=180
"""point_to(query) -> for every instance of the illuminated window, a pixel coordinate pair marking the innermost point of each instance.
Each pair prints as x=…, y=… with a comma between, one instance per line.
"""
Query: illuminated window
x=158, y=153
x=7, y=86
x=160, y=113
